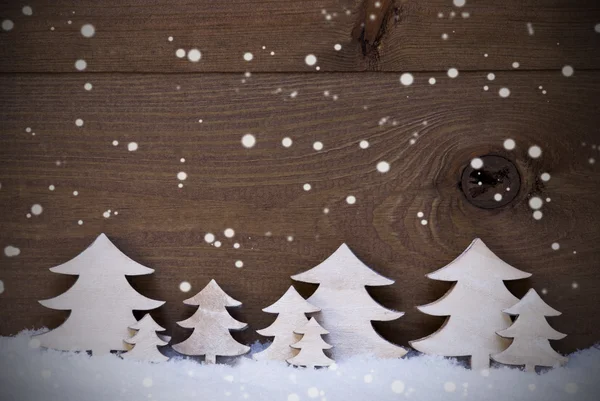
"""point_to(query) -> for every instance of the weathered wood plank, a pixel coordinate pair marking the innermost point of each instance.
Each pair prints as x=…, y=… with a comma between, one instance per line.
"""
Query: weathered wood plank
x=260, y=190
x=132, y=35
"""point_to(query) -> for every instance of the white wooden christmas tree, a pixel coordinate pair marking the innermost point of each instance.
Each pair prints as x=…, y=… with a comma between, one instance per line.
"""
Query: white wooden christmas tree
x=347, y=309
x=474, y=306
x=291, y=309
x=101, y=301
x=146, y=341
x=211, y=323
x=311, y=346
x=531, y=333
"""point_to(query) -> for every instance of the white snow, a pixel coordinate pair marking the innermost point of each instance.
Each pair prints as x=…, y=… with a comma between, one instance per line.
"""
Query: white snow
x=194, y=55
x=180, y=53
x=459, y=3
x=37, y=374
x=7, y=25
x=318, y=146
x=509, y=144
x=536, y=203
x=337, y=47
x=383, y=167
x=182, y=176
x=567, y=71
x=534, y=152
x=248, y=141
x=88, y=86
x=132, y=146
x=477, y=163
x=11, y=251
x=286, y=142
x=239, y=264
x=504, y=92
x=80, y=65
x=248, y=56
x=453, y=73
x=364, y=144
x=310, y=60
x=37, y=209
x=27, y=10
x=406, y=79
x=351, y=199
x=307, y=187
x=209, y=237
x=88, y=30
x=229, y=232
x=185, y=286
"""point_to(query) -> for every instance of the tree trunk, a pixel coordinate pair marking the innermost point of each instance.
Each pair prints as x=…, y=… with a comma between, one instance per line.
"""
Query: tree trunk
x=480, y=361
x=210, y=359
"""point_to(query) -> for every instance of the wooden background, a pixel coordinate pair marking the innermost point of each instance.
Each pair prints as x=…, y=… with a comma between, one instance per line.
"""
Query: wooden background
x=143, y=93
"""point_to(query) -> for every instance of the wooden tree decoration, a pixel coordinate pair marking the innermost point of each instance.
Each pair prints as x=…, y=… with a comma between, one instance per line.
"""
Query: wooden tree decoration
x=347, y=308
x=146, y=341
x=211, y=324
x=311, y=346
x=101, y=301
x=473, y=305
x=531, y=333
x=291, y=308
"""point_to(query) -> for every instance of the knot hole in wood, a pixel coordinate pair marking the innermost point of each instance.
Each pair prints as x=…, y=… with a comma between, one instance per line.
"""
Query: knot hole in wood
x=492, y=185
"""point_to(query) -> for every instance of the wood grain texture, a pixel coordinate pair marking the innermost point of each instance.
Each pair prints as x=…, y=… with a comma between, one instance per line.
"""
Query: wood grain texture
x=211, y=324
x=291, y=310
x=101, y=302
x=473, y=306
x=311, y=346
x=530, y=333
x=145, y=341
x=260, y=190
x=347, y=309
x=132, y=35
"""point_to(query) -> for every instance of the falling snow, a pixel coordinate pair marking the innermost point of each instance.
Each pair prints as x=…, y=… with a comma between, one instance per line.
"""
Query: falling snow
x=248, y=141
x=88, y=30
x=11, y=251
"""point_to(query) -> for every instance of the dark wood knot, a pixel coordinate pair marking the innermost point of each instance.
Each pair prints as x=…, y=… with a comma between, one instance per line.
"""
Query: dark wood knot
x=490, y=181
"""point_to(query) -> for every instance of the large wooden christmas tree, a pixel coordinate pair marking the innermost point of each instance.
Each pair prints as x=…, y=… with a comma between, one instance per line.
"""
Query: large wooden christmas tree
x=531, y=333
x=101, y=301
x=291, y=309
x=347, y=309
x=474, y=306
x=211, y=323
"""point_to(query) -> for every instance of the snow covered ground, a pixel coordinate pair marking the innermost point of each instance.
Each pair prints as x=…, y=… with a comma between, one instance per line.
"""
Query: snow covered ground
x=30, y=374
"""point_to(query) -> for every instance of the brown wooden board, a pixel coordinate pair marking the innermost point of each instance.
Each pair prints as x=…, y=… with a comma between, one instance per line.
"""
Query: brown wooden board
x=260, y=190
x=132, y=35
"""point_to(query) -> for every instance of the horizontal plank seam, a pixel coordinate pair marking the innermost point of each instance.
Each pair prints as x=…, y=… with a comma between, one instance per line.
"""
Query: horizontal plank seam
x=87, y=73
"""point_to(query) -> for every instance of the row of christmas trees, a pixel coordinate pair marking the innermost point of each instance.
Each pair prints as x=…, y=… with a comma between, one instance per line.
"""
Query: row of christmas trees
x=478, y=309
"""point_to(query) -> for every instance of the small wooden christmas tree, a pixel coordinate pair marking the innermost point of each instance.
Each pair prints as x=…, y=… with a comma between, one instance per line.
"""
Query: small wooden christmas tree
x=101, y=301
x=311, y=346
x=531, y=333
x=473, y=305
x=146, y=341
x=211, y=324
x=291, y=308
x=347, y=309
